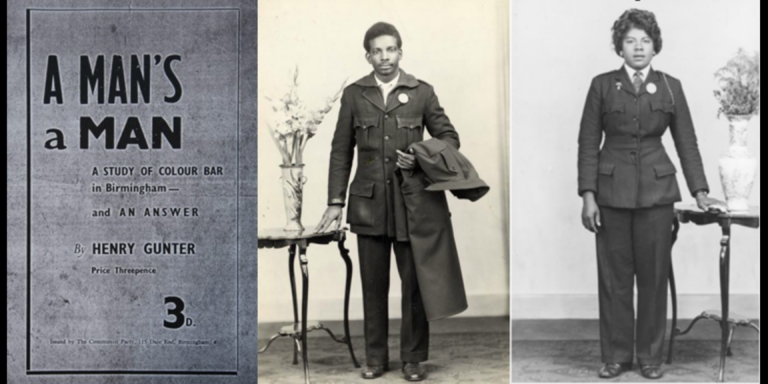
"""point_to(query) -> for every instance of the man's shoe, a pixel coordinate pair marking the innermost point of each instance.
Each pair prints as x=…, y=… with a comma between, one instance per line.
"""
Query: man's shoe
x=414, y=372
x=373, y=371
x=611, y=370
x=652, y=372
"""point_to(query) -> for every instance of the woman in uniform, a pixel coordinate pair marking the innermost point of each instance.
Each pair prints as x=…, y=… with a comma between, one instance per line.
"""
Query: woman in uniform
x=629, y=187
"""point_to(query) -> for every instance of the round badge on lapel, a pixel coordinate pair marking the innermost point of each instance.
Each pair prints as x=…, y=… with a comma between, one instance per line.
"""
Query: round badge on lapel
x=618, y=85
x=403, y=98
x=651, y=87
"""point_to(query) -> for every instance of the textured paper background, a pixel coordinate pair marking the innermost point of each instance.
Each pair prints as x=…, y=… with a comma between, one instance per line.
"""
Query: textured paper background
x=68, y=301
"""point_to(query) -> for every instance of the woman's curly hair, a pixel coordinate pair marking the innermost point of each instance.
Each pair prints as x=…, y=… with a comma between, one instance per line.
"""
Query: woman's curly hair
x=640, y=19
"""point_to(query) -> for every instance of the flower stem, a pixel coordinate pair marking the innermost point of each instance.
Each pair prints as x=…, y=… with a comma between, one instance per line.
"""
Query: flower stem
x=280, y=148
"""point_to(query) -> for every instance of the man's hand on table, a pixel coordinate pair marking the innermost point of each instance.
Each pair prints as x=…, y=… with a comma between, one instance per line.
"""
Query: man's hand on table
x=332, y=213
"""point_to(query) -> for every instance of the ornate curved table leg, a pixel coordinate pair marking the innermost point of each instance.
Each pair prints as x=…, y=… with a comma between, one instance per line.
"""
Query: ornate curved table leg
x=345, y=255
x=304, y=296
x=297, y=344
x=725, y=255
x=673, y=332
x=332, y=335
x=688, y=329
x=271, y=339
x=292, y=273
x=730, y=338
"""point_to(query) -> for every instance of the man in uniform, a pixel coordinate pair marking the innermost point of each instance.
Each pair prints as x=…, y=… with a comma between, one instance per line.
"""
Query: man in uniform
x=382, y=114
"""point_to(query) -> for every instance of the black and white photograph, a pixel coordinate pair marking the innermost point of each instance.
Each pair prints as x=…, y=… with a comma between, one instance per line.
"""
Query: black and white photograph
x=635, y=191
x=347, y=191
x=383, y=191
x=131, y=192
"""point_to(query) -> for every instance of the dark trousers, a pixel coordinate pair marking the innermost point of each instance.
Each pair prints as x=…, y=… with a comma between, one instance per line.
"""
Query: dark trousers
x=633, y=242
x=375, y=256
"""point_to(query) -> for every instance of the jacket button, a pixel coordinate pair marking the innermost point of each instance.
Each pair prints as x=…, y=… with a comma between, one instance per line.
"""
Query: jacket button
x=634, y=118
x=633, y=153
x=386, y=159
x=386, y=116
x=386, y=137
x=389, y=181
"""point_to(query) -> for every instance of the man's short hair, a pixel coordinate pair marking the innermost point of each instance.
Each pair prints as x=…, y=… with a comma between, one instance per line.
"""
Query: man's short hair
x=381, y=29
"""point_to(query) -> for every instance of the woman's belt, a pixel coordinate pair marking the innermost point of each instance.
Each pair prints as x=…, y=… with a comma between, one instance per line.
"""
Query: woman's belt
x=629, y=142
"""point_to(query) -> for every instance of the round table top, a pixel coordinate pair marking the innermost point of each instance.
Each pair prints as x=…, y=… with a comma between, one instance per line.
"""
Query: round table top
x=307, y=233
x=692, y=209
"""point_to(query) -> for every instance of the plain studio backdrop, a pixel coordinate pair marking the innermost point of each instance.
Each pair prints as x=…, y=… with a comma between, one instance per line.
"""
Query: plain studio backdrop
x=461, y=49
x=557, y=48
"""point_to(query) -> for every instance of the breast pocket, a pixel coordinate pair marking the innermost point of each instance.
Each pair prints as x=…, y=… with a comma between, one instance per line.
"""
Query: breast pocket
x=613, y=114
x=661, y=113
x=366, y=131
x=409, y=130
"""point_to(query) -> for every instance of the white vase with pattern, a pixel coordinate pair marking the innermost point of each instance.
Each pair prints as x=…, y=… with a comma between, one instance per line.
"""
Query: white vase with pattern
x=738, y=166
x=293, y=181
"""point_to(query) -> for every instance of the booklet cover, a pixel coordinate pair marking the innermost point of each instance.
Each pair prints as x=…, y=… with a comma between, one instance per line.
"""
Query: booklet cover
x=129, y=185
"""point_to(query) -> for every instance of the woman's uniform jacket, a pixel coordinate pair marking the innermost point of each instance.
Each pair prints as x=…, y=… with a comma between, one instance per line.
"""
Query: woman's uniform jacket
x=378, y=129
x=632, y=170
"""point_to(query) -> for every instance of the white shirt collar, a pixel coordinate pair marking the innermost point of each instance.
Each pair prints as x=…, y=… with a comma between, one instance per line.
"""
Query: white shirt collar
x=631, y=72
x=390, y=84
x=386, y=88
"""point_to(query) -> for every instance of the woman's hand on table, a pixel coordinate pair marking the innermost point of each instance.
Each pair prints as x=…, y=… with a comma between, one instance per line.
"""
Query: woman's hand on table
x=709, y=204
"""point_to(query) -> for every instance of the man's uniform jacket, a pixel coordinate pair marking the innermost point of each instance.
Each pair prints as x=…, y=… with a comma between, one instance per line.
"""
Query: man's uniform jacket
x=632, y=170
x=383, y=202
x=378, y=129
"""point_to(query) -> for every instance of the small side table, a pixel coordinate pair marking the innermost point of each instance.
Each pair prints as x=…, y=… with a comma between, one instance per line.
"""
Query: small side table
x=749, y=219
x=278, y=238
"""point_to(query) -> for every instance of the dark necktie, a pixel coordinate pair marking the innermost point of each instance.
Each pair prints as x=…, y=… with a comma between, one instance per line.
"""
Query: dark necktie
x=637, y=81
